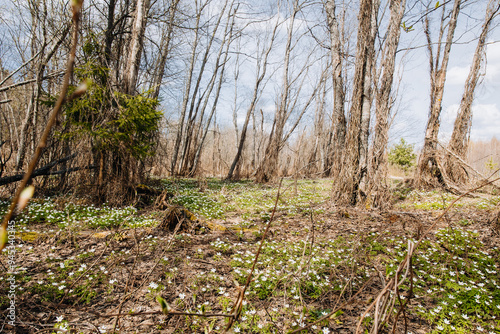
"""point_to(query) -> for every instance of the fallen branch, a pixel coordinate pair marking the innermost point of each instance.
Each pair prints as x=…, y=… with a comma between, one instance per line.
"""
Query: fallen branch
x=483, y=178
x=45, y=170
x=170, y=312
x=76, y=7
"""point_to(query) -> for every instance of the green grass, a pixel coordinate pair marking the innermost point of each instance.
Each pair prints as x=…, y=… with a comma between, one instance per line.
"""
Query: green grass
x=46, y=211
x=438, y=200
x=455, y=283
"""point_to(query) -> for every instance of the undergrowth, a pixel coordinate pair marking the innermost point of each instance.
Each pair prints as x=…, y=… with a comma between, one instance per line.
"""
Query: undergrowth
x=455, y=281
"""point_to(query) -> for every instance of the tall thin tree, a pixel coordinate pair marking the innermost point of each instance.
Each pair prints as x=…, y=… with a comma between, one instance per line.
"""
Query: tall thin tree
x=459, y=141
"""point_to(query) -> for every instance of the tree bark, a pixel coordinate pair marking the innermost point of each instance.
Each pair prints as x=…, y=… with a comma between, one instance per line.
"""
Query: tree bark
x=383, y=104
x=428, y=171
x=368, y=96
x=336, y=142
x=131, y=71
x=459, y=141
x=346, y=188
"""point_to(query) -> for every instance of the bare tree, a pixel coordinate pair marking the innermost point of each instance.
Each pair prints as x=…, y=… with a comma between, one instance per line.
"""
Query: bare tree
x=368, y=93
x=383, y=103
x=220, y=63
x=428, y=170
x=290, y=93
x=346, y=188
x=188, y=85
x=313, y=168
x=459, y=141
x=336, y=138
x=166, y=39
x=197, y=107
x=261, y=69
x=131, y=71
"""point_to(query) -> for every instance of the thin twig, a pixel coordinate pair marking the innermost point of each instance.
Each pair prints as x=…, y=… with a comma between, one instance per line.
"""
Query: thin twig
x=169, y=313
x=241, y=295
x=394, y=283
x=52, y=120
x=336, y=309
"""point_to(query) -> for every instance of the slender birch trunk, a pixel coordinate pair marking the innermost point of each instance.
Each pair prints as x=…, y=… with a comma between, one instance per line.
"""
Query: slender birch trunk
x=383, y=104
x=345, y=190
x=131, y=71
x=428, y=171
x=336, y=140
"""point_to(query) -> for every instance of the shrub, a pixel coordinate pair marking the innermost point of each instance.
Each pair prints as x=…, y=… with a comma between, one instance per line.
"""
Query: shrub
x=402, y=155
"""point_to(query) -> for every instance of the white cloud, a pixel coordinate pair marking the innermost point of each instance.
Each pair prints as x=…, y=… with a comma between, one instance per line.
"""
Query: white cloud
x=457, y=75
x=450, y=113
x=492, y=76
x=485, y=122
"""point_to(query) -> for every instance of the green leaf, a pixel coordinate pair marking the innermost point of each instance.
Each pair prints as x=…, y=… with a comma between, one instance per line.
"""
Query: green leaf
x=165, y=308
x=337, y=314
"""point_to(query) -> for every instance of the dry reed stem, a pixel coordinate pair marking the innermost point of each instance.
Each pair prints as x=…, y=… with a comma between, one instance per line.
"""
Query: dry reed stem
x=394, y=283
x=335, y=309
x=238, y=305
x=50, y=123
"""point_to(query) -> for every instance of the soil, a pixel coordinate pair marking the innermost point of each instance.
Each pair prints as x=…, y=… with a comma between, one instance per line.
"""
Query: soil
x=133, y=262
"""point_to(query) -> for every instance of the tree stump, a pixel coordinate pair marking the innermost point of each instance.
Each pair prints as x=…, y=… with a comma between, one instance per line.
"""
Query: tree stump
x=178, y=218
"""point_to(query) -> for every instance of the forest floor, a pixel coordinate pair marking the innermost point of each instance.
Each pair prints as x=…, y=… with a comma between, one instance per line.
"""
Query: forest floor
x=79, y=266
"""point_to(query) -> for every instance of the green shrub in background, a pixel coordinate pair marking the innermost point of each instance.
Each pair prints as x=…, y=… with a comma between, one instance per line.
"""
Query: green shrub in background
x=115, y=121
x=402, y=155
x=116, y=132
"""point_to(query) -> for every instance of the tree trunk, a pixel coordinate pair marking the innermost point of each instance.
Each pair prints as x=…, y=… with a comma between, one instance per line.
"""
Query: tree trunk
x=368, y=96
x=336, y=142
x=428, y=171
x=383, y=105
x=228, y=37
x=164, y=51
x=135, y=47
x=459, y=141
x=194, y=107
x=109, y=33
x=289, y=96
x=185, y=99
x=251, y=107
x=346, y=188
x=267, y=170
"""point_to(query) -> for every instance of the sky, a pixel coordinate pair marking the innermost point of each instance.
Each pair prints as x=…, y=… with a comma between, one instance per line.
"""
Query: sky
x=413, y=104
